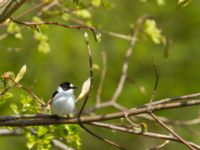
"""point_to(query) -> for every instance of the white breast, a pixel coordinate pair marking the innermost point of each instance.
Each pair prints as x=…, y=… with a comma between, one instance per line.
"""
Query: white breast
x=63, y=103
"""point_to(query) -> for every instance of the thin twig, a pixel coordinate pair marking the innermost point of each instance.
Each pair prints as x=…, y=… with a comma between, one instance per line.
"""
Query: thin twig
x=173, y=99
x=172, y=122
x=31, y=9
x=160, y=146
x=14, y=83
x=29, y=24
x=102, y=139
x=90, y=73
x=133, y=39
x=172, y=132
x=157, y=119
x=7, y=132
x=61, y=145
x=146, y=134
x=126, y=61
x=102, y=78
x=156, y=84
x=32, y=94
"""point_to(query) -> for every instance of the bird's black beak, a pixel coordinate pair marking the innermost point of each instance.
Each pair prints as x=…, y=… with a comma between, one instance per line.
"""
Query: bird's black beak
x=74, y=87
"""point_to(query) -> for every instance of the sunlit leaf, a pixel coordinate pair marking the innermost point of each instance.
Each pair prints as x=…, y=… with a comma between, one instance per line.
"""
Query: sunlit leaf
x=85, y=89
x=6, y=95
x=184, y=2
x=83, y=13
x=161, y=2
x=95, y=66
x=153, y=31
x=98, y=36
x=43, y=45
x=14, y=108
x=143, y=90
x=13, y=28
x=42, y=130
x=21, y=73
x=65, y=16
x=96, y=2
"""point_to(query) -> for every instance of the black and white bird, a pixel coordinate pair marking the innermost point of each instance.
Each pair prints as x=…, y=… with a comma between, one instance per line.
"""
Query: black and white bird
x=63, y=100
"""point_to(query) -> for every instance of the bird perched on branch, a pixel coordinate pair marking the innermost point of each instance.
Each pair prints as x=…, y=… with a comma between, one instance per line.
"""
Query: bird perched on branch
x=63, y=100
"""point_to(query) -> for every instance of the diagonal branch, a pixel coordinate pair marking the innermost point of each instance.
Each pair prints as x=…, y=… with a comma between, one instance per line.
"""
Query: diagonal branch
x=146, y=134
x=157, y=119
x=102, y=139
x=102, y=78
x=7, y=7
x=127, y=57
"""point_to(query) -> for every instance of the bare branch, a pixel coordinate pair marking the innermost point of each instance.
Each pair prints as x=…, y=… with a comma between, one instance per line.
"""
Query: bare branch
x=61, y=145
x=146, y=134
x=7, y=7
x=30, y=120
x=160, y=146
x=90, y=73
x=172, y=132
x=33, y=24
x=102, y=139
x=103, y=74
x=126, y=59
x=6, y=132
x=157, y=119
x=173, y=99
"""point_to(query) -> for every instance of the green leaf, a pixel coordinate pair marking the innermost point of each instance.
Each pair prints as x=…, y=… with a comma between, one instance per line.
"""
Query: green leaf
x=42, y=131
x=31, y=140
x=14, y=108
x=43, y=45
x=98, y=36
x=153, y=31
x=184, y=2
x=107, y=4
x=161, y=2
x=7, y=95
x=65, y=16
x=21, y=73
x=83, y=13
x=96, y=3
x=76, y=2
x=39, y=36
x=13, y=28
x=28, y=105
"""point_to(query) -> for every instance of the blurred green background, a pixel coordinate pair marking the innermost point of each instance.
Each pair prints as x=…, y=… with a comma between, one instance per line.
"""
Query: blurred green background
x=67, y=61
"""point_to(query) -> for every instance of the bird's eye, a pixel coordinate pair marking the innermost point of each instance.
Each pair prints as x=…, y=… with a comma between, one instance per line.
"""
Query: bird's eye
x=71, y=85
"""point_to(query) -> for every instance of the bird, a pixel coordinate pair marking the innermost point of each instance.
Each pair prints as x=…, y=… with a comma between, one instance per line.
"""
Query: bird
x=63, y=99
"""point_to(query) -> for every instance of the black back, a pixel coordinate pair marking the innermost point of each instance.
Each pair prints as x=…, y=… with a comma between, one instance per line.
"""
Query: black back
x=54, y=93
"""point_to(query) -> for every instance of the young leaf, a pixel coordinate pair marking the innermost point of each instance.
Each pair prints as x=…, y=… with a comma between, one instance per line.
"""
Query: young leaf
x=13, y=28
x=153, y=31
x=184, y=2
x=96, y=2
x=85, y=89
x=83, y=13
x=161, y=2
x=21, y=73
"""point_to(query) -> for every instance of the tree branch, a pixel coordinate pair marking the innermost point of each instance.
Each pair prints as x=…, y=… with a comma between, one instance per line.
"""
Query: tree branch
x=7, y=7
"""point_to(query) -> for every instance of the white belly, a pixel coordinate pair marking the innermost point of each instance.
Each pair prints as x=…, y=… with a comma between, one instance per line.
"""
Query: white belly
x=62, y=105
